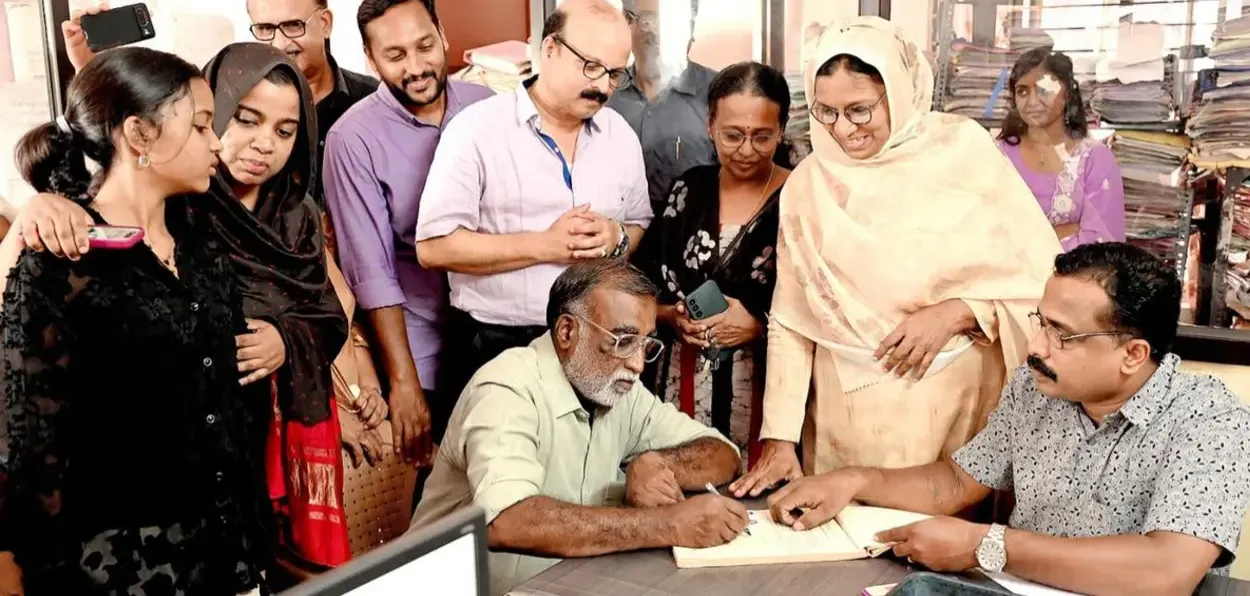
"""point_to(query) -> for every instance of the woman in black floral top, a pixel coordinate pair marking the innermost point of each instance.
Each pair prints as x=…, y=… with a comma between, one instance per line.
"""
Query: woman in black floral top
x=720, y=223
x=134, y=450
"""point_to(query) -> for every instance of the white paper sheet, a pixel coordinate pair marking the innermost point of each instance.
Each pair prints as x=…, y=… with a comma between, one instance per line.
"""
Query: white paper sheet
x=1026, y=587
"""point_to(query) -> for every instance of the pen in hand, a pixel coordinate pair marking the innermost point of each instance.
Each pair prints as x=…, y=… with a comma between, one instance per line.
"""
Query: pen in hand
x=711, y=488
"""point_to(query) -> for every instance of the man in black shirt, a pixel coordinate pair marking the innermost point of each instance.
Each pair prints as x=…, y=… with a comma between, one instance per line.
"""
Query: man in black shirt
x=665, y=102
x=301, y=28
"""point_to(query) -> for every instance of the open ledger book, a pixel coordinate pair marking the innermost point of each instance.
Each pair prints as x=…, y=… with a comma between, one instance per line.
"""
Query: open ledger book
x=848, y=536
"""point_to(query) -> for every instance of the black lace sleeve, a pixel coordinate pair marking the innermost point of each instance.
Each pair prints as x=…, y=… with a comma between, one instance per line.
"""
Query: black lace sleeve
x=38, y=348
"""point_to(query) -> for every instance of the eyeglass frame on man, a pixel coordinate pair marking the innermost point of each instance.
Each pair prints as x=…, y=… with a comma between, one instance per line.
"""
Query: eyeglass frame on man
x=1042, y=324
x=303, y=27
x=587, y=65
x=868, y=110
x=772, y=140
x=616, y=347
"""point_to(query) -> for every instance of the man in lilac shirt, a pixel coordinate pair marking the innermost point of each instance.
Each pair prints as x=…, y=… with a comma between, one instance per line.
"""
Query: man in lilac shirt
x=377, y=159
x=525, y=183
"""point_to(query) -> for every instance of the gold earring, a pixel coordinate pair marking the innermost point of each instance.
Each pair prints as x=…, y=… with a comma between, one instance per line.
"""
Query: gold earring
x=144, y=161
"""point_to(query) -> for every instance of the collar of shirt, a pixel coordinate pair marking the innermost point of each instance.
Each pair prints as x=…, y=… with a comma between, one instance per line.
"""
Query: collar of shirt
x=1153, y=397
x=527, y=112
x=389, y=100
x=693, y=81
x=340, y=80
x=559, y=393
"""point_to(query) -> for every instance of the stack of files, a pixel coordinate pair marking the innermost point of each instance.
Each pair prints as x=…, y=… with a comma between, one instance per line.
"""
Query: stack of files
x=1218, y=125
x=1237, y=278
x=978, y=76
x=1155, y=195
x=798, y=129
x=501, y=66
x=1143, y=105
x=1021, y=40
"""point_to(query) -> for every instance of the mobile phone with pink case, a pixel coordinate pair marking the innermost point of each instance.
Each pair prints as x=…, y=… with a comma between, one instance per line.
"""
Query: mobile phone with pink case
x=114, y=237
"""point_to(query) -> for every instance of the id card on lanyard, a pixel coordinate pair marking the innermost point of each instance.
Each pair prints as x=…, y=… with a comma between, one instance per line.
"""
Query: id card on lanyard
x=551, y=144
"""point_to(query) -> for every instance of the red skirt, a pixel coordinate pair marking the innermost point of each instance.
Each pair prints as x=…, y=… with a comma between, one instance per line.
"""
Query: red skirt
x=305, y=470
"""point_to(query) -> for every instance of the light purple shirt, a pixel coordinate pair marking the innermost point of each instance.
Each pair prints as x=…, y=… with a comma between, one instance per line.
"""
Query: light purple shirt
x=377, y=158
x=494, y=174
x=1088, y=192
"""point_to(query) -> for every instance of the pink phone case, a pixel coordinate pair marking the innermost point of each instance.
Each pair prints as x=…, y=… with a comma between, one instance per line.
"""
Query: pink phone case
x=114, y=237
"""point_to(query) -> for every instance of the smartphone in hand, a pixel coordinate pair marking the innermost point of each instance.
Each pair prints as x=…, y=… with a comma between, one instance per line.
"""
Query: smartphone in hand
x=706, y=301
x=113, y=237
x=118, y=27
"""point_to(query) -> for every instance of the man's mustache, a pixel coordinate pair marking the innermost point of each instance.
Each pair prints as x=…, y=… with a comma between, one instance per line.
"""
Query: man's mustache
x=595, y=95
x=1036, y=364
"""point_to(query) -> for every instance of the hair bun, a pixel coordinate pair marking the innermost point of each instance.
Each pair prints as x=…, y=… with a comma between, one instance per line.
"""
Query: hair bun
x=50, y=161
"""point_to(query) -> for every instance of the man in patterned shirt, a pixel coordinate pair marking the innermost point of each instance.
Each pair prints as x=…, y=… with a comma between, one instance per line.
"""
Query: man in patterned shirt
x=1130, y=476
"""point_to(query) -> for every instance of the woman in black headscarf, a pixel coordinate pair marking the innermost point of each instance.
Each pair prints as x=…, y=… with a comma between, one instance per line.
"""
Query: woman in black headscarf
x=262, y=210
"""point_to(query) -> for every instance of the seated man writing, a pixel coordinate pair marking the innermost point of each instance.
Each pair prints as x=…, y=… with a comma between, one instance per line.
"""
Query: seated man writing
x=1130, y=476
x=539, y=436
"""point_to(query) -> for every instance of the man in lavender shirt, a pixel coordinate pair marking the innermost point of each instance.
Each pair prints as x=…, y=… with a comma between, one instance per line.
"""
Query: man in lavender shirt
x=377, y=159
x=525, y=183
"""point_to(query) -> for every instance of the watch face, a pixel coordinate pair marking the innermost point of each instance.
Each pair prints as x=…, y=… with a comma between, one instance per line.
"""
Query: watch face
x=991, y=556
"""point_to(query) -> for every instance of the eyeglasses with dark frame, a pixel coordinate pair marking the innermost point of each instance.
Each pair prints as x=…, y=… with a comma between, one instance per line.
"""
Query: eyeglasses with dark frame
x=860, y=114
x=594, y=70
x=290, y=29
x=761, y=142
x=628, y=344
x=1055, y=337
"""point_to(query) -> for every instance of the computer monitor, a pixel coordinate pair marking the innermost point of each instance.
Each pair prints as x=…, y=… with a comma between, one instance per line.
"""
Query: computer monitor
x=447, y=558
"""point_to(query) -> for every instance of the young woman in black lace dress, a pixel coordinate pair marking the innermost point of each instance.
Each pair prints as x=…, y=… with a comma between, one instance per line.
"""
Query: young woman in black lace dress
x=134, y=462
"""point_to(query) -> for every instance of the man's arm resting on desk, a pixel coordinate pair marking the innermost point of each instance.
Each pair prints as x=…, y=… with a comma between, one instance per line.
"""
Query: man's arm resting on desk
x=1155, y=563
x=547, y=527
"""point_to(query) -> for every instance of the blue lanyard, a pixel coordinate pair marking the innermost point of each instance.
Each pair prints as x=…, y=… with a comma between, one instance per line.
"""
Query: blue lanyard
x=551, y=144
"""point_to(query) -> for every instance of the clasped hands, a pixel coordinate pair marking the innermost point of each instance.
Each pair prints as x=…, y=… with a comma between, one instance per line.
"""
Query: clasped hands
x=580, y=234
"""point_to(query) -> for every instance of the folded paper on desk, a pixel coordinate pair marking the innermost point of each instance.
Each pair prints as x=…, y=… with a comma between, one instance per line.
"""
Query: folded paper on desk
x=849, y=536
x=1025, y=587
x=881, y=590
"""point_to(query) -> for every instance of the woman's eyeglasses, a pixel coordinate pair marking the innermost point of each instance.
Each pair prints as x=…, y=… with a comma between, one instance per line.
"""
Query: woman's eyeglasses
x=594, y=70
x=628, y=344
x=761, y=142
x=290, y=29
x=860, y=114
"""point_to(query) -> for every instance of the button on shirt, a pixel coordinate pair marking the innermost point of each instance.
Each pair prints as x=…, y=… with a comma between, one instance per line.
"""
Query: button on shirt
x=349, y=88
x=672, y=128
x=377, y=160
x=519, y=431
x=1174, y=458
x=493, y=173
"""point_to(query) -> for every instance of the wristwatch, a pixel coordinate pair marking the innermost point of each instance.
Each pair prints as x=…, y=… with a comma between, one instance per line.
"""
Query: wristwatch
x=992, y=553
x=623, y=245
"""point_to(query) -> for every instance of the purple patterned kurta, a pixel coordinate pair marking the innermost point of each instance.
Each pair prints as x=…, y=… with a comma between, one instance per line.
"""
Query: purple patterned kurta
x=1088, y=192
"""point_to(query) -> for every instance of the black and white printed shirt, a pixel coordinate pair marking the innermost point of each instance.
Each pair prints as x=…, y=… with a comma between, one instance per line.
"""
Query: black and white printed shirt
x=1174, y=458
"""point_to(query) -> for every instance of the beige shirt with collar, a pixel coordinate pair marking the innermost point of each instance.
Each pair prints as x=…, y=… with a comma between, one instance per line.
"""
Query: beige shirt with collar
x=520, y=431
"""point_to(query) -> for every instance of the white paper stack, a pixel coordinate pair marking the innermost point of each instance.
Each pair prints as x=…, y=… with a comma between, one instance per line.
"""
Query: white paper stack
x=1218, y=125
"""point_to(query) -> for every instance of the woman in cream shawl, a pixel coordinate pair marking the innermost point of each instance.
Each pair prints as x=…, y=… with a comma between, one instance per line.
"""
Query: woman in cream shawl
x=910, y=253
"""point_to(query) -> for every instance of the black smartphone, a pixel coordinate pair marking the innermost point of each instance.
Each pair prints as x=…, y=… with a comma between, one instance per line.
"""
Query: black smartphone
x=118, y=27
x=706, y=301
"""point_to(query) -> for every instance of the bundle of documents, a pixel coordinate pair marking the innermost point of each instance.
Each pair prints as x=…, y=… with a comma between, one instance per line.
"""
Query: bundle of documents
x=501, y=66
x=978, y=75
x=1218, y=125
x=1237, y=277
x=1156, y=200
x=1141, y=105
x=798, y=128
x=978, y=80
x=848, y=536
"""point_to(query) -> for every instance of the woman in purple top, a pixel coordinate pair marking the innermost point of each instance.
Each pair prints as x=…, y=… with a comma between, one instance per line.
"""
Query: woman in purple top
x=1075, y=178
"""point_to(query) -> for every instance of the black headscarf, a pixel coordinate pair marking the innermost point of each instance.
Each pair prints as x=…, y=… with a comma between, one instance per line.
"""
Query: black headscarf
x=279, y=249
